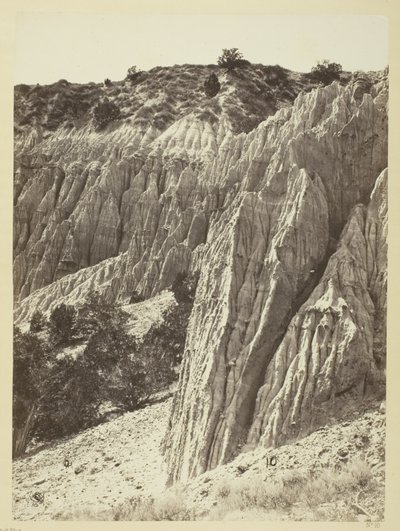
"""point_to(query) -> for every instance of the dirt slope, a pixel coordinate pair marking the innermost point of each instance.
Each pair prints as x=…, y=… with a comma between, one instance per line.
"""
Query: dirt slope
x=108, y=463
x=120, y=460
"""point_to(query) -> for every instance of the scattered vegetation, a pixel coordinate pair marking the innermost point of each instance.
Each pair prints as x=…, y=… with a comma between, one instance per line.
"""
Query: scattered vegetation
x=326, y=72
x=231, y=58
x=38, y=322
x=184, y=287
x=136, y=297
x=276, y=75
x=211, y=85
x=134, y=75
x=304, y=488
x=170, y=506
x=58, y=394
x=163, y=95
x=132, y=72
x=104, y=113
x=62, y=324
x=29, y=364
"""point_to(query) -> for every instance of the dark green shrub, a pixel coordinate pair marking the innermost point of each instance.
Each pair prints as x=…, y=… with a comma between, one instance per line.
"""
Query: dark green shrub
x=133, y=73
x=56, y=396
x=30, y=364
x=97, y=314
x=163, y=347
x=104, y=113
x=211, y=85
x=326, y=72
x=275, y=75
x=184, y=287
x=136, y=297
x=38, y=322
x=62, y=323
x=231, y=58
x=70, y=398
x=23, y=89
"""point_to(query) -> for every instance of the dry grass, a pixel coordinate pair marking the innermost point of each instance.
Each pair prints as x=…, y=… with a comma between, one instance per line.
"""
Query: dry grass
x=293, y=494
x=292, y=487
x=170, y=506
x=179, y=88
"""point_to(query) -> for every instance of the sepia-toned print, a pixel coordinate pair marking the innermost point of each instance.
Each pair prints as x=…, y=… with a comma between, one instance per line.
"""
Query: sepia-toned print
x=200, y=268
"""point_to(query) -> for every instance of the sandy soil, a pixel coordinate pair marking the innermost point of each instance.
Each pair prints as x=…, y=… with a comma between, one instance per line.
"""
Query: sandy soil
x=361, y=435
x=120, y=460
x=108, y=463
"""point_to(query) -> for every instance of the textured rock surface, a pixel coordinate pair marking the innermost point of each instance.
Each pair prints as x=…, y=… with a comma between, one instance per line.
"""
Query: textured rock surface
x=332, y=446
x=326, y=357
x=239, y=361
x=288, y=323
x=127, y=209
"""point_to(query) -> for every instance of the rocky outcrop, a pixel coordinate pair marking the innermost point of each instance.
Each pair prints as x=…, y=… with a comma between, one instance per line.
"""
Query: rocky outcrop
x=263, y=261
x=127, y=209
x=326, y=358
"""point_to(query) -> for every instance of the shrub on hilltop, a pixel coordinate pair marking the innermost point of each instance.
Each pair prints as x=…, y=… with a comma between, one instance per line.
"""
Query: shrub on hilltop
x=326, y=72
x=135, y=75
x=231, y=58
x=276, y=75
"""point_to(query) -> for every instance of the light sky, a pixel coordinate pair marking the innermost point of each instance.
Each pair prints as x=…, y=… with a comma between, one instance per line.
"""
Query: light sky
x=91, y=47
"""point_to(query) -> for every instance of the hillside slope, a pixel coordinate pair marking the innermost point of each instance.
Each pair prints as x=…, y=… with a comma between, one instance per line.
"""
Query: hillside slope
x=107, y=481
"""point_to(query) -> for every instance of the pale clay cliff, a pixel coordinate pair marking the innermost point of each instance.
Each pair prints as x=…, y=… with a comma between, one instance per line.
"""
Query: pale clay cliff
x=287, y=226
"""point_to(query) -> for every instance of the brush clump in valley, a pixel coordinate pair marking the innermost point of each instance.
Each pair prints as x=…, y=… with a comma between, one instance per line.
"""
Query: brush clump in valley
x=81, y=362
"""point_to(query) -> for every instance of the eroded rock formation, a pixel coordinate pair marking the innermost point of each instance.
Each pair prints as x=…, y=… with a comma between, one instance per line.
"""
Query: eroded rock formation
x=260, y=364
x=288, y=322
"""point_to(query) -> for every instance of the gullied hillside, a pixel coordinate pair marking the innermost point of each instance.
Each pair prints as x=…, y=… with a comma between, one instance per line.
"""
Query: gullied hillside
x=274, y=190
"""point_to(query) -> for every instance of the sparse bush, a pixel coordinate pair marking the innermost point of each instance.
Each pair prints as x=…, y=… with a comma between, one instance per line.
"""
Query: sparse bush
x=70, y=398
x=184, y=286
x=282, y=491
x=275, y=75
x=134, y=74
x=97, y=314
x=30, y=357
x=211, y=85
x=38, y=322
x=231, y=58
x=171, y=506
x=62, y=323
x=136, y=297
x=132, y=71
x=104, y=113
x=326, y=72
x=224, y=490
